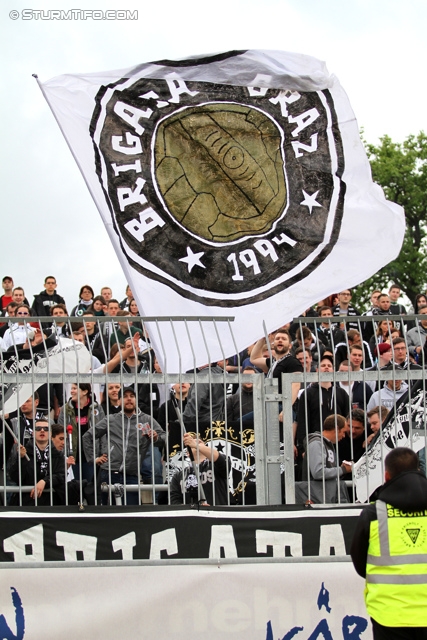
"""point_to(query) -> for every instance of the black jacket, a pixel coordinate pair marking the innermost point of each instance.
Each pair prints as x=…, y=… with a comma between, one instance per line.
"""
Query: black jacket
x=234, y=412
x=407, y=491
x=319, y=407
x=53, y=476
x=43, y=302
x=329, y=337
x=169, y=409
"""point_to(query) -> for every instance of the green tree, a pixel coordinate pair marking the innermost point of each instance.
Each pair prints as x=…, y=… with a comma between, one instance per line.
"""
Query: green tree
x=401, y=170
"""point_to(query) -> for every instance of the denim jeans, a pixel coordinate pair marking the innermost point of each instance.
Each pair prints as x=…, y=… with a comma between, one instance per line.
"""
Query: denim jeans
x=147, y=469
x=147, y=466
x=86, y=470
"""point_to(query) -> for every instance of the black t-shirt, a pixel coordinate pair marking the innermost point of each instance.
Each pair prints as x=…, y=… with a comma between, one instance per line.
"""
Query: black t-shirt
x=352, y=449
x=287, y=364
x=189, y=485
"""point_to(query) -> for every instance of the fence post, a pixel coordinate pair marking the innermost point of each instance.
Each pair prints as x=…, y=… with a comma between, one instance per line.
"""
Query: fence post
x=273, y=441
x=260, y=440
x=288, y=439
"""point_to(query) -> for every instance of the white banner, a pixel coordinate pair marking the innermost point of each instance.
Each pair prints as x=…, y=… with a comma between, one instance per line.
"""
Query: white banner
x=405, y=427
x=256, y=601
x=67, y=356
x=230, y=185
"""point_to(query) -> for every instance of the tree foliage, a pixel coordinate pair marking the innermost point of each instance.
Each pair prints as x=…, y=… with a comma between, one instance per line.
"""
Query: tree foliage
x=401, y=170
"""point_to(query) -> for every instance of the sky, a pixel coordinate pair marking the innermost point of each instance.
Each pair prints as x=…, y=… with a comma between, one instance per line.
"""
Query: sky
x=49, y=223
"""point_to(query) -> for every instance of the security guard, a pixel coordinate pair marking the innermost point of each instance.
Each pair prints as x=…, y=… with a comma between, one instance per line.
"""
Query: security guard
x=389, y=549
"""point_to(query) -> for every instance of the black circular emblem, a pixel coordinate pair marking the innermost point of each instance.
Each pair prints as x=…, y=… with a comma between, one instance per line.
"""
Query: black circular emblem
x=226, y=194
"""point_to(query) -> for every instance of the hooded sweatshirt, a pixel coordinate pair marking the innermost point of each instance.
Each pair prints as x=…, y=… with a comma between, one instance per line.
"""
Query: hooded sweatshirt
x=43, y=302
x=387, y=397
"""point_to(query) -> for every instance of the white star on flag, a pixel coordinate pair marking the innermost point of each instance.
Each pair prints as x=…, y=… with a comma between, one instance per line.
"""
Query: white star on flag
x=310, y=201
x=193, y=259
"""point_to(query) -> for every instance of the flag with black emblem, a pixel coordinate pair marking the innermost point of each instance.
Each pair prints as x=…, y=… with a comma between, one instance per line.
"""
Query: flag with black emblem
x=233, y=440
x=405, y=426
x=231, y=185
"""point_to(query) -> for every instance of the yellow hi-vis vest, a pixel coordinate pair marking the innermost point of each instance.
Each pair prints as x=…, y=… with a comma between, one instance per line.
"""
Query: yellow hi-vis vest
x=396, y=569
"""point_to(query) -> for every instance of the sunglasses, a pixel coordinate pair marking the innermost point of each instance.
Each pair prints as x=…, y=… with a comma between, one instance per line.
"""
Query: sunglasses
x=41, y=428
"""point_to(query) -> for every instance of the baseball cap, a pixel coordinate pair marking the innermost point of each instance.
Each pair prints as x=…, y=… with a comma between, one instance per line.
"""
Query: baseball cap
x=128, y=389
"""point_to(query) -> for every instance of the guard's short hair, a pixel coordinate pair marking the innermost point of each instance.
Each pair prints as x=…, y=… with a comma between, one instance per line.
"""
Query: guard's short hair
x=401, y=459
x=334, y=422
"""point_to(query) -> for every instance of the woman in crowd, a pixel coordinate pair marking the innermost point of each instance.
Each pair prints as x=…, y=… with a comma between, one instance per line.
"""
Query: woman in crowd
x=420, y=301
x=134, y=311
x=86, y=296
x=81, y=412
x=18, y=331
x=98, y=306
x=382, y=333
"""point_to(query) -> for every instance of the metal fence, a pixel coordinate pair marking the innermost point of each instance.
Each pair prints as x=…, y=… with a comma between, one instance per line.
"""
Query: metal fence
x=269, y=450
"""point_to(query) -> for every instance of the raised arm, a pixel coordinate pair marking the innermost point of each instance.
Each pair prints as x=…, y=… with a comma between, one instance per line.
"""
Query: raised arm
x=256, y=356
x=208, y=452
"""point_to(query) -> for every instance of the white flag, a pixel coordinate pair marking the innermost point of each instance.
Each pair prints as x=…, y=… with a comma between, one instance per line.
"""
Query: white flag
x=404, y=427
x=67, y=356
x=231, y=185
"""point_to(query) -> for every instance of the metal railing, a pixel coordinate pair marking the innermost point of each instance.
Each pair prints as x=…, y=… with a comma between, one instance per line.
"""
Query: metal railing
x=265, y=450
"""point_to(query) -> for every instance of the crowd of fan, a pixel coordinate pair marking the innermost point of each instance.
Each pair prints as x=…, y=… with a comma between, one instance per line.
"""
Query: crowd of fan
x=70, y=438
